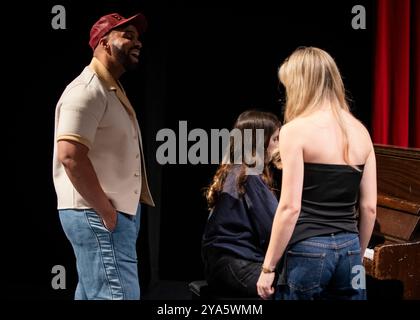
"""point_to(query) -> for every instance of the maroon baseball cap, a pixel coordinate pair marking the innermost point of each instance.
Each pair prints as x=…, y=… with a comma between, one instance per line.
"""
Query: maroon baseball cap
x=111, y=21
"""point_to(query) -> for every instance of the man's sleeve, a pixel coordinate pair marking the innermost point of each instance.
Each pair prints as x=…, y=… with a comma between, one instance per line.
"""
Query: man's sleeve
x=80, y=113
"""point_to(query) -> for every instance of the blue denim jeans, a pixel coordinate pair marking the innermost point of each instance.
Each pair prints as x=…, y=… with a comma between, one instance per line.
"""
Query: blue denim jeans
x=323, y=268
x=106, y=261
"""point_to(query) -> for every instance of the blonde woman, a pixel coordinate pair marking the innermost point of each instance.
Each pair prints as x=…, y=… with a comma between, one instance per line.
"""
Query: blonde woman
x=329, y=174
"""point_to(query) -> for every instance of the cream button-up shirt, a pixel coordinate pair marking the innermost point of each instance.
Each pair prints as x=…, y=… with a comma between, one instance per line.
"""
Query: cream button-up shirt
x=94, y=110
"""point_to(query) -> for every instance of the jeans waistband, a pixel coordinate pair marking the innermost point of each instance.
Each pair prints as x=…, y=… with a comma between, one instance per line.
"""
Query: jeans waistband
x=333, y=240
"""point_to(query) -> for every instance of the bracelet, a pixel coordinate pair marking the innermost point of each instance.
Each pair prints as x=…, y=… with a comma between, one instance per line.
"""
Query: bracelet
x=267, y=270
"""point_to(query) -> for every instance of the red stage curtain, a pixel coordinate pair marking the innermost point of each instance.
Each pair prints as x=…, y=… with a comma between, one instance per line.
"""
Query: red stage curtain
x=396, y=99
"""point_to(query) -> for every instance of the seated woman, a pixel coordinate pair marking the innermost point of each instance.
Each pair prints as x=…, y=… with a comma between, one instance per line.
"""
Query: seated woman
x=242, y=211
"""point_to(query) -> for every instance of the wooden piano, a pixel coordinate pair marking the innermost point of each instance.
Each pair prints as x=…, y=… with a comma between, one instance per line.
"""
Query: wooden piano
x=396, y=236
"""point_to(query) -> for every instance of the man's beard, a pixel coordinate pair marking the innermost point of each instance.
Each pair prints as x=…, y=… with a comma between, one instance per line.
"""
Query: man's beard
x=124, y=58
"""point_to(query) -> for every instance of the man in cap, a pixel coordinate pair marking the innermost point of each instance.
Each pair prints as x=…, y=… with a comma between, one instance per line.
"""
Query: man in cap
x=98, y=165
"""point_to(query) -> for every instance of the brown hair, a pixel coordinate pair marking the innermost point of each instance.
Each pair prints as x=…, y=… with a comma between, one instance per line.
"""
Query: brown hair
x=251, y=119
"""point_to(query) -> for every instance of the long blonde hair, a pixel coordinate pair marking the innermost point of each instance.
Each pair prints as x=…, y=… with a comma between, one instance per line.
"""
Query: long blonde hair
x=311, y=77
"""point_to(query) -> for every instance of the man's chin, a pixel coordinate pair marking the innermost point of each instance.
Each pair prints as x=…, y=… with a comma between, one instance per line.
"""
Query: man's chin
x=132, y=64
x=134, y=59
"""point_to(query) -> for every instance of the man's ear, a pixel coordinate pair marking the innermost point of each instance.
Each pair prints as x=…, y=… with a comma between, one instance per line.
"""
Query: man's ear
x=104, y=43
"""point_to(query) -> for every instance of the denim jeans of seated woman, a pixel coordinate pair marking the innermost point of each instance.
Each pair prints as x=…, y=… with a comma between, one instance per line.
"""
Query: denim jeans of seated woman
x=106, y=261
x=323, y=268
x=235, y=278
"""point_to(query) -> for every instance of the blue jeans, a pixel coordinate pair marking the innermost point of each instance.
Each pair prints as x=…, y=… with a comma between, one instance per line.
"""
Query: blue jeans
x=106, y=261
x=323, y=268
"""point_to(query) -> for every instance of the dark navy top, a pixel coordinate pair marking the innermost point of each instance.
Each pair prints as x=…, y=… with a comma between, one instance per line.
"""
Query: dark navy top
x=329, y=198
x=240, y=226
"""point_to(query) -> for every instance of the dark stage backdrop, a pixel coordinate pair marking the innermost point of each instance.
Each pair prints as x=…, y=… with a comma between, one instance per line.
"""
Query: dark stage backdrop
x=203, y=64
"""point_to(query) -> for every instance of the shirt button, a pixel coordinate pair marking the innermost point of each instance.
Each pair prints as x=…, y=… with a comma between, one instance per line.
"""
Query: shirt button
x=137, y=156
x=136, y=191
x=137, y=174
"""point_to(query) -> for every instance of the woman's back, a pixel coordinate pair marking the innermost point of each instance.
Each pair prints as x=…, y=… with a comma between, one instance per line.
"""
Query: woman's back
x=322, y=138
x=330, y=186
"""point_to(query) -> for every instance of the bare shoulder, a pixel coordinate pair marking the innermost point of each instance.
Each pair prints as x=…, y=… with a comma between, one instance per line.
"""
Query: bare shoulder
x=292, y=135
x=358, y=125
x=359, y=137
x=292, y=126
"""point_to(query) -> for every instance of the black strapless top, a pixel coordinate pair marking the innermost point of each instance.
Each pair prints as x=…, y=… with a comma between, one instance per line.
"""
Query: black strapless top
x=329, y=198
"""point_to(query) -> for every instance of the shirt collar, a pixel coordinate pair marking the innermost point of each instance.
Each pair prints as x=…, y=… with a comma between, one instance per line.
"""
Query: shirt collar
x=105, y=76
